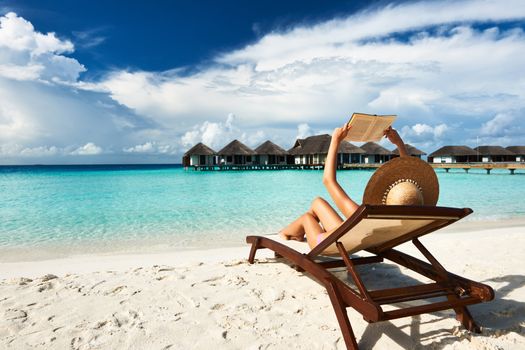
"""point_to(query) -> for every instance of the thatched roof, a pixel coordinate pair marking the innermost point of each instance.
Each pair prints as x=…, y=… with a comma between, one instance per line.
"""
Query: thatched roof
x=200, y=149
x=320, y=144
x=317, y=144
x=236, y=148
x=269, y=147
x=374, y=148
x=493, y=151
x=297, y=146
x=347, y=147
x=413, y=151
x=454, y=151
x=518, y=150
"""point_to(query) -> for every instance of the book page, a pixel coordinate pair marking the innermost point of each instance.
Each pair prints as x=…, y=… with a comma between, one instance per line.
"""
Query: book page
x=367, y=127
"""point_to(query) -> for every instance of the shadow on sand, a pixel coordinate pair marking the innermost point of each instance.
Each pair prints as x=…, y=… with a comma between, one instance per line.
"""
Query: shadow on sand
x=497, y=317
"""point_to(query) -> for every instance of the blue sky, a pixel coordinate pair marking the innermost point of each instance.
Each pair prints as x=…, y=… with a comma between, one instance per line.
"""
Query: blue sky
x=138, y=82
x=161, y=35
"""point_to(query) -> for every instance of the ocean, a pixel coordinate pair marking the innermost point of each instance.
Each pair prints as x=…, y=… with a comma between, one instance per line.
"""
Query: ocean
x=106, y=207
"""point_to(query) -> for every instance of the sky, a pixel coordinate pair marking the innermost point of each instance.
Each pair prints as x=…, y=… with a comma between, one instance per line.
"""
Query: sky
x=85, y=82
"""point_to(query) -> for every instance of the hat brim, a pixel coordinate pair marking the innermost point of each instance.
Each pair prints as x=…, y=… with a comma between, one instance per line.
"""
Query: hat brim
x=399, y=169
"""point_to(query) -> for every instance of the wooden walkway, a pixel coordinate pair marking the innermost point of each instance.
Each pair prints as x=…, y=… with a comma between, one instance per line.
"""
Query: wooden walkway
x=256, y=167
x=512, y=167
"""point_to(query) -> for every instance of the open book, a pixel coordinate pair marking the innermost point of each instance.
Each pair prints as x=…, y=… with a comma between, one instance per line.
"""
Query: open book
x=368, y=127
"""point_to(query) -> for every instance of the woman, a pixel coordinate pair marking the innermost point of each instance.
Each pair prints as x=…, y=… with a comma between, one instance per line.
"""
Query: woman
x=321, y=219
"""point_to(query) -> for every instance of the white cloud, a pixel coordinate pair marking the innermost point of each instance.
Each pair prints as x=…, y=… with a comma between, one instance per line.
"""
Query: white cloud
x=498, y=124
x=323, y=72
x=440, y=130
x=89, y=149
x=27, y=72
x=218, y=134
x=254, y=139
x=334, y=38
x=15, y=150
x=419, y=129
x=303, y=131
x=500, y=129
x=443, y=77
x=419, y=132
x=212, y=134
x=152, y=148
x=88, y=39
x=191, y=137
x=41, y=151
x=26, y=54
x=15, y=124
x=144, y=148
x=418, y=100
x=47, y=152
x=18, y=34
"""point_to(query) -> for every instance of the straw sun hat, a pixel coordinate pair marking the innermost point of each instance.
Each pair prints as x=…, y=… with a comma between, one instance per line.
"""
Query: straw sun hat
x=403, y=181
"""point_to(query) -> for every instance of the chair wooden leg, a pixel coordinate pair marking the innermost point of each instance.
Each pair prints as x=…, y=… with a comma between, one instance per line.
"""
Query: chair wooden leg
x=464, y=316
x=253, y=250
x=351, y=270
x=462, y=313
x=342, y=317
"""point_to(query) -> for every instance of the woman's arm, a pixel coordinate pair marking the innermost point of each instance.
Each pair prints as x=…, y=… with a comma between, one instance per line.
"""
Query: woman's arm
x=345, y=204
x=394, y=137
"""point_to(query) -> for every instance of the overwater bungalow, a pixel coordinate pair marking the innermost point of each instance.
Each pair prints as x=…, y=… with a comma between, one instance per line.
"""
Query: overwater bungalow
x=349, y=153
x=269, y=153
x=236, y=153
x=494, y=154
x=453, y=154
x=519, y=152
x=199, y=155
x=313, y=150
x=375, y=153
x=412, y=151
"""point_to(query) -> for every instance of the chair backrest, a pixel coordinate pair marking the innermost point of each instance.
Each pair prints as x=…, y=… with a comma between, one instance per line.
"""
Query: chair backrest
x=382, y=227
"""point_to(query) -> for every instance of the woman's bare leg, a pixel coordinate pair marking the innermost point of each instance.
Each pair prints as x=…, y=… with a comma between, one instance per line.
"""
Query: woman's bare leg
x=325, y=214
x=307, y=225
x=313, y=231
x=295, y=230
x=320, y=211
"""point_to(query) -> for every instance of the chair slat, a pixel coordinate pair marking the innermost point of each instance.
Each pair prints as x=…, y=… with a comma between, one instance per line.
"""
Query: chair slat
x=432, y=307
x=413, y=217
x=409, y=290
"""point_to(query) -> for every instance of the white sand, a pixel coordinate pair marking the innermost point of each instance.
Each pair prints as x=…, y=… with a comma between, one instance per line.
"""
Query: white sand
x=199, y=300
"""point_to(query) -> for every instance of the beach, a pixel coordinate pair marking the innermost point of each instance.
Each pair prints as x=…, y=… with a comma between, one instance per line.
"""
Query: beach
x=203, y=298
x=142, y=144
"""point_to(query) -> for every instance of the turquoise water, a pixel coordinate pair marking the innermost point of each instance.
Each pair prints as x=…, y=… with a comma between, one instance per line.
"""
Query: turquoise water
x=80, y=205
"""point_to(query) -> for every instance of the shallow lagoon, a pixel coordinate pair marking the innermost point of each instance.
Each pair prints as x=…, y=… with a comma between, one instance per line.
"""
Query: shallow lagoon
x=82, y=205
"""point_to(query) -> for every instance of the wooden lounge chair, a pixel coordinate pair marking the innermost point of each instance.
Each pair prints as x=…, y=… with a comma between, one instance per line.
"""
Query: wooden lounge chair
x=377, y=229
